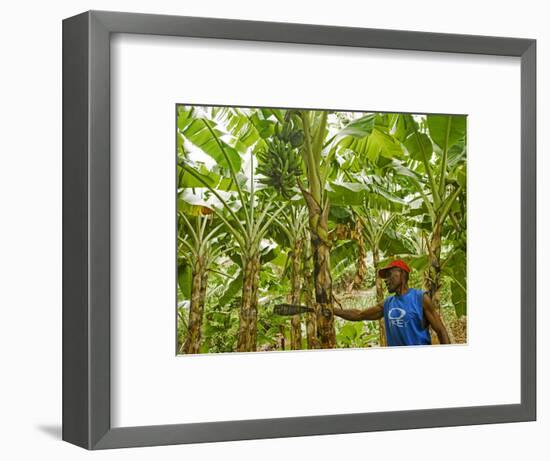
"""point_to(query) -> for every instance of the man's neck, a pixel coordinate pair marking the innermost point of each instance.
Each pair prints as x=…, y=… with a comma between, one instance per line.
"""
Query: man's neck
x=402, y=290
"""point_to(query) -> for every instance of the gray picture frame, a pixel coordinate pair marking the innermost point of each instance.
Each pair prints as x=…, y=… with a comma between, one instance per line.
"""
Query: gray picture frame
x=86, y=229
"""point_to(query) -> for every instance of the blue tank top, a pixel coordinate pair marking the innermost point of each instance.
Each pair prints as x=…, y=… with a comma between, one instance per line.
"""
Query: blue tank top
x=403, y=318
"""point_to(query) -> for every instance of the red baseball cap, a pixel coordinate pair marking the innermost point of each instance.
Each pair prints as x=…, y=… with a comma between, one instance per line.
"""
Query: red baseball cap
x=395, y=263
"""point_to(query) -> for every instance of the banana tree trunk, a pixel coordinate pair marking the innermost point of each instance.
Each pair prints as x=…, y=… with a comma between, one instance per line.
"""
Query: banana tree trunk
x=360, y=268
x=248, y=318
x=295, y=283
x=311, y=317
x=433, y=273
x=318, y=221
x=323, y=295
x=320, y=247
x=318, y=208
x=379, y=294
x=282, y=337
x=198, y=296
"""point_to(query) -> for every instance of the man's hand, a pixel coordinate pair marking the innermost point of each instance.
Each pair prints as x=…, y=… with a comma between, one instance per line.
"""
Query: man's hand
x=434, y=320
x=373, y=313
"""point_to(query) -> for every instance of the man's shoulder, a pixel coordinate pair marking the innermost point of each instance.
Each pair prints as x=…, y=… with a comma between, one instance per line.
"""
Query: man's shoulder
x=420, y=292
x=421, y=296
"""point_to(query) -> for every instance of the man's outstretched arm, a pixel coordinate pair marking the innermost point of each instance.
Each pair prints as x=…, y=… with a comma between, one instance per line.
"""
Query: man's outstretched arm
x=435, y=320
x=373, y=313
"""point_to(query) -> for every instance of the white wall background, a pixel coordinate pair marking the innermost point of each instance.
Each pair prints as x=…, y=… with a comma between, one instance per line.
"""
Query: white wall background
x=30, y=234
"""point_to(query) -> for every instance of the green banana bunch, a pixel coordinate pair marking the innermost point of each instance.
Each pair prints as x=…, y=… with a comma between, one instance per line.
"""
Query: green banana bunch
x=281, y=163
x=289, y=133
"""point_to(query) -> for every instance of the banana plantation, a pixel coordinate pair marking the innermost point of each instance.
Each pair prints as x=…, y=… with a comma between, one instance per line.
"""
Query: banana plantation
x=286, y=214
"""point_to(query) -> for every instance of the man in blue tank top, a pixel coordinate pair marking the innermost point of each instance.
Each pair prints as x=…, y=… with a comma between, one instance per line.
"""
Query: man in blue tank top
x=407, y=314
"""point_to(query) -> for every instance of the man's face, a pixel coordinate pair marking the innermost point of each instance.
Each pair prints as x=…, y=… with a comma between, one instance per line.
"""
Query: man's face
x=394, y=278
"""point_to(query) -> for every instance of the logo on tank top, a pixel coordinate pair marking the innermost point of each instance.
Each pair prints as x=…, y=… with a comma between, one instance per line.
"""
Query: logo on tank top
x=396, y=317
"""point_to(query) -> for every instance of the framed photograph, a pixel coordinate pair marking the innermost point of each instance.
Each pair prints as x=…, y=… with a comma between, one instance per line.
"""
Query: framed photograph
x=276, y=230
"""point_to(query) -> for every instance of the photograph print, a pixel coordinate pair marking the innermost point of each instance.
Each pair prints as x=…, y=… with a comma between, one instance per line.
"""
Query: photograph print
x=301, y=229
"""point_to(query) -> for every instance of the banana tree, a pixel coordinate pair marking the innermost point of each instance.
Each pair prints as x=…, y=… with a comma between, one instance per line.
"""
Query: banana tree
x=235, y=201
x=436, y=170
x=197, y=245
x=374, y=227
x=299, y=140
x=366, y=136
x=375, y=203
x=314, y=126
x=293, y=222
